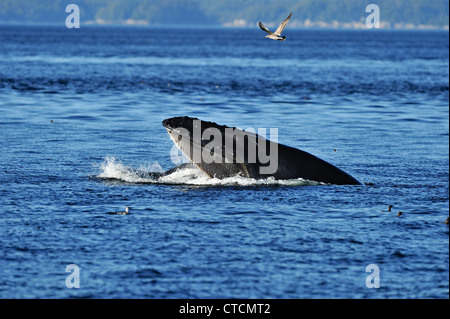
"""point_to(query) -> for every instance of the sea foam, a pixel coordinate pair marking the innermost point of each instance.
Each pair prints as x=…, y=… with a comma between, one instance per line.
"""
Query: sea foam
x=112, y=168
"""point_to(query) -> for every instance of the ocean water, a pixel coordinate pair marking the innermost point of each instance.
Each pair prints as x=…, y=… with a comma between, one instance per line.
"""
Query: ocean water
x=80, y=120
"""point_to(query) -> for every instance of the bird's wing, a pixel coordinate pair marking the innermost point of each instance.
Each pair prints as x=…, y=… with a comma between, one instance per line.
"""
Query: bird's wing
x=262, y=26
x=282, y=25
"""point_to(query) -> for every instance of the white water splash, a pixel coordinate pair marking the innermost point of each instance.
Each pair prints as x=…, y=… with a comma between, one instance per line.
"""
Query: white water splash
x=112, y=168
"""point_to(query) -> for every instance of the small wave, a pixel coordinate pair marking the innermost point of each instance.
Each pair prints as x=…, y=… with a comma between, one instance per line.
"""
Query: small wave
x=113, y=169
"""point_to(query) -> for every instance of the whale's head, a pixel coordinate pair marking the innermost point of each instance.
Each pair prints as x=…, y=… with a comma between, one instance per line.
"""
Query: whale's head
x=179, y=122
x=221, y=151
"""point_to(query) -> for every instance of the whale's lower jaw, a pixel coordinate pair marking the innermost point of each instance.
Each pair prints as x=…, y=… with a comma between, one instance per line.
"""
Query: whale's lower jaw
x=248, y=155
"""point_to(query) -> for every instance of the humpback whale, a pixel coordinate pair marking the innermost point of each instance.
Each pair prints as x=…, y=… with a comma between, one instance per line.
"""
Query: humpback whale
x=221, y=151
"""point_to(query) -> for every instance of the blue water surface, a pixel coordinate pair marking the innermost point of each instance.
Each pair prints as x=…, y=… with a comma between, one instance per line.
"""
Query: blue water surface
x=82, y=108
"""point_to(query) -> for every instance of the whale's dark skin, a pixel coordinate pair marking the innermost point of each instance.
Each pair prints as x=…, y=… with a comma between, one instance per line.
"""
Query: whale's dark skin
x=292, y=163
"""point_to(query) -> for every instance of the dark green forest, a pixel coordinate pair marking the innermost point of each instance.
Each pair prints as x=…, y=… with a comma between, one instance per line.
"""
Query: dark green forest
x=216, y=12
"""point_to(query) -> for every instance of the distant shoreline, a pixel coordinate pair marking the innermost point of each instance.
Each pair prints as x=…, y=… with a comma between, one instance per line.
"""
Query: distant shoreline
x=242, y=25
x=339, y=25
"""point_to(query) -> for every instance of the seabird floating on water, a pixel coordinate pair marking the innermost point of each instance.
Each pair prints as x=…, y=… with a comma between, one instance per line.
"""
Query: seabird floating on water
x=121, y=213
x=277, y=34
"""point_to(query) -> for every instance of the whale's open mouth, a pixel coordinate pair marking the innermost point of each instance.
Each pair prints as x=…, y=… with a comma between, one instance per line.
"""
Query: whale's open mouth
x=221, y=151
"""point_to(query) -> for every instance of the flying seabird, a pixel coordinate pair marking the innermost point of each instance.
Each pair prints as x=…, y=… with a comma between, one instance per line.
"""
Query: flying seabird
x=277, y=34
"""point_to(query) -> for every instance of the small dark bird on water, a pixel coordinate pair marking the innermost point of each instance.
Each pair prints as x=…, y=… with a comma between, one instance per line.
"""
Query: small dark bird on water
x=277, y=34
x=446, y=221
x=399, y=214
x=126, y=212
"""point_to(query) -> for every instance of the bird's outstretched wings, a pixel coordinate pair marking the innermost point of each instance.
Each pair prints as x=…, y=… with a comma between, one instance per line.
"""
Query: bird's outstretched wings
x=282, y=26
x=262, y=26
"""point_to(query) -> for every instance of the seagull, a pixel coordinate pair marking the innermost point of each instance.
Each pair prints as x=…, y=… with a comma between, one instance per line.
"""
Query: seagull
x=277, y=34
